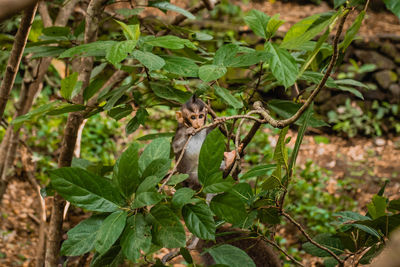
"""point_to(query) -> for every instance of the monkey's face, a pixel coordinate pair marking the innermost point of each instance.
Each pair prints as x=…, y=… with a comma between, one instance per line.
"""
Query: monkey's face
x=197, y=119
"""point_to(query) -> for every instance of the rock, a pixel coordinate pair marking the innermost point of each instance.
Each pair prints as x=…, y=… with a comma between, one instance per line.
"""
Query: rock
x=371, y=44
x=390, y=50
x=380, y=142
x=373, y=94
x=372, y=57
x=395, y=90
x=385, y=78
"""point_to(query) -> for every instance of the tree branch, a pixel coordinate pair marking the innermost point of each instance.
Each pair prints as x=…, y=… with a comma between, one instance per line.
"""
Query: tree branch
x=281, y=250
x=287, y=216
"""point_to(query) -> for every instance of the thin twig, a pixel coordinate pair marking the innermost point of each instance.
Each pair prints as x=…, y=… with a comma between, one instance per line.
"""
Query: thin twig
x=282, y=250
x=307, y=236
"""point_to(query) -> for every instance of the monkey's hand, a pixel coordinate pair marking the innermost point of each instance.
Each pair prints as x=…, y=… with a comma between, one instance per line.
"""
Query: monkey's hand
x=190, y=131
x=229, y=158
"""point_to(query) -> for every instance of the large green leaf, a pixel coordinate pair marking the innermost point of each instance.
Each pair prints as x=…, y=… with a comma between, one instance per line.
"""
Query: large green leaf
x=217, y=184
x=170, y=93
x=131, y=32
x=199, y=220
x=56, y=31
x=177, y=178
x=65, y=108
x=158, y=149
x=98, y=48
x=280, y=153
x=167, y=229
x=136, y=237
x=307, y=29
x=261, y=170
x=182, y=197
x=149, y=184
x=282, y=64
x=119, y=51
x=68, y=85
x=158, y=168
x=181, y=66
x=86, y=190
x=110, y=231
x=146, y=199
x=225, y=54
x=168, y=6
x=394, y=6
x=139, y=119
x=226, y=95
x=81, y=238
x=353, y=30
x=249, y=59
x=228, y=207
x=258, y=22
x=326, y=240
x=273, y=25
x=149, y=60
x=210, y=73
x=170, y=42
x=126, y=171
x=377, y=207
x=211, y=156
x=112, y=258
x=230, y=256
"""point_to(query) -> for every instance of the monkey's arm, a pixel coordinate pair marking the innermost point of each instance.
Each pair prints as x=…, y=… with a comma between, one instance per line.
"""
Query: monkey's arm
x=179, y=140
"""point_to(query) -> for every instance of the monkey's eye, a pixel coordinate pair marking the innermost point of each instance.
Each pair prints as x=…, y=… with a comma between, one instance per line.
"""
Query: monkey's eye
x=193, y=117
x=201, y=116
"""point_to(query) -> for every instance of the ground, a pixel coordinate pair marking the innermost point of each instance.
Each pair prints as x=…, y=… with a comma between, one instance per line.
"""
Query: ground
x=366, y=160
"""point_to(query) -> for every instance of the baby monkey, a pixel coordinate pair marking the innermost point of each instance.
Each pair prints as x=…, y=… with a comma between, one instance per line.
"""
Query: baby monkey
x=192, y=116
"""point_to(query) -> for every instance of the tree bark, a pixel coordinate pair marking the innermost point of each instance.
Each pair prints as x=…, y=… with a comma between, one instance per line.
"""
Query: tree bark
x=75, y=119
x=15, y=56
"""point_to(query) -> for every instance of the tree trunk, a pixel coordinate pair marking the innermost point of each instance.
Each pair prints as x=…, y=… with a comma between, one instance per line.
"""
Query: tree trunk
x=15, y=56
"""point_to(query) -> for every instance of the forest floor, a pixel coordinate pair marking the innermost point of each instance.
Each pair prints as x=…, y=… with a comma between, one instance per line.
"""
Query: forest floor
x=368, y=161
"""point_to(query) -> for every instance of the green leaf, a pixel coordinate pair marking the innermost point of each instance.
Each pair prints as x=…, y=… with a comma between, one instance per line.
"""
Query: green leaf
x=242, y=191
x=273, y=181
x=182, y=196
x=167, y=229
x=228, y=207
x=346, y=216
x=225, y=54
x=352, y=31
x=199, y=220
x=209, y=73
x=149, y=60
x=269, y=215
x=98, y=48
x=109, y=231
x=136, y=237
x=112, y=258
x=273, y=25
x=139, y=119
x=282, y=64
x=156, y=135
x=307, y=29
x=227, y=97
x=168, y=6
x=126, y=171
x=230, y=256
x=181, y=66
x=211, y=156
x=146, y=199
x=86, y=190
x=65, y=108
x=158, y=168
x=56, y=31
x=394, y=204
x=120, y=112
x=177, y=178
x=257, y=171
x=131, y=32
x=158, y=149
x=113, y=96
x=287, y=108
x=186, y=255
x=394, y=6
x=377, y=207
x=170, y=42
x=81, y=238
x=326, y=240
x=351, y=90
x=280, y=153
x=148, y=184
x=258, y=22
x=119, y=51
x=338, y=3
x=217, y=184
x=68, y=85
x=170, y=93
x=374, y=251
x=249, y=59
x=44, y=51
x=316, y=77
x=366, y=229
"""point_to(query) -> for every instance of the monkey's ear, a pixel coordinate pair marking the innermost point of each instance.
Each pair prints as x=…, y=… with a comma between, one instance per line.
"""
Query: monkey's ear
x=179, y=116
